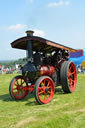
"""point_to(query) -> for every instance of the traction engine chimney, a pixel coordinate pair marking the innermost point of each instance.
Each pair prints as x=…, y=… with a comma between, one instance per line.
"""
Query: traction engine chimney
x=29, y=46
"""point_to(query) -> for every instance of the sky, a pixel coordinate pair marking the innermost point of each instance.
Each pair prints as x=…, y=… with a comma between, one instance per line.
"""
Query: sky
x=61, y=21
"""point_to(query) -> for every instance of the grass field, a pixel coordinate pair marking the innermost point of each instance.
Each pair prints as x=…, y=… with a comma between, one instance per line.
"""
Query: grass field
x=64, y=111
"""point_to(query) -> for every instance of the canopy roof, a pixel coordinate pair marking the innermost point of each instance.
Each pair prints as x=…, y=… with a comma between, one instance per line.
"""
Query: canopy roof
x=42, y=44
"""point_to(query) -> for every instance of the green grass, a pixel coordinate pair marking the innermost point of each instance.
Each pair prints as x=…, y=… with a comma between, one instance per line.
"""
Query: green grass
x=64, y=111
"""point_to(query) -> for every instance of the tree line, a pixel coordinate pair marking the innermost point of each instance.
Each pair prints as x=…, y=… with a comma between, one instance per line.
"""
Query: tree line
x=8, y=64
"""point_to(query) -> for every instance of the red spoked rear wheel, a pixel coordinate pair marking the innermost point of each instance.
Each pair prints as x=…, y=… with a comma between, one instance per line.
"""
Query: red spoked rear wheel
x=44, y=90
x=16, y=88
x=68, y=76
x=72, y=77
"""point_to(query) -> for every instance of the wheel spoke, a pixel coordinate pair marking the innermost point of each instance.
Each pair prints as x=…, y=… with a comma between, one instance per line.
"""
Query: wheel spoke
x=22, y=92
x=71, y=67
x=40, y=88
x=40, y=95
x=14, y=88
x=48, y=84
x=43, y=83
x=72, y=73
x=17, y=81
x=16, y=92
x=21, y=81
x=49, y=92
x=71, y=82
x=49, y=87
x=69, y=70
x=41, y=92
x=45, y=96
x=70, y=85
x=15, y=84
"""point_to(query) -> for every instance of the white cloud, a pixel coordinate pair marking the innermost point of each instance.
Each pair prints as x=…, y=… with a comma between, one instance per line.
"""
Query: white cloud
x=38, y=32
x=59, y=3
x=17, y=27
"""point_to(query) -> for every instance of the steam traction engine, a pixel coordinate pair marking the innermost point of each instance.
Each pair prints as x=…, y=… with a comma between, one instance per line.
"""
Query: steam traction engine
x=47, y=67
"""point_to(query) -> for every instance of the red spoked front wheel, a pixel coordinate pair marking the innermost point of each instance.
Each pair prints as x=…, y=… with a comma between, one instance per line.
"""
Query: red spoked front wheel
x=16, y=88
x=68, y=76
x=44, y=90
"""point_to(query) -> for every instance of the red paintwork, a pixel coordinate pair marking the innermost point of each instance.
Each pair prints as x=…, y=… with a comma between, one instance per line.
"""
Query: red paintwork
x=45, y=89
x=29, y=88
x=20, y=88
x=72, y=77
x=47, y=70
x=17, y=88
x=46, y=97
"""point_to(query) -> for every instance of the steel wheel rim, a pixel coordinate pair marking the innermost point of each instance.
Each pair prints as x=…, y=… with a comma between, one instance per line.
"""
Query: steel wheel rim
x=17, y=88
x=45, y=90
x=72, y=77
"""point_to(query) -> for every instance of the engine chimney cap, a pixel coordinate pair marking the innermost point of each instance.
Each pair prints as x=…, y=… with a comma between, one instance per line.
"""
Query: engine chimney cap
x=29, y=32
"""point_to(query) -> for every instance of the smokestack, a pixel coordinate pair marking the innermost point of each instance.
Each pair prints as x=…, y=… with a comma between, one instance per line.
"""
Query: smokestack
x=29, y=33
x=29, y=46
